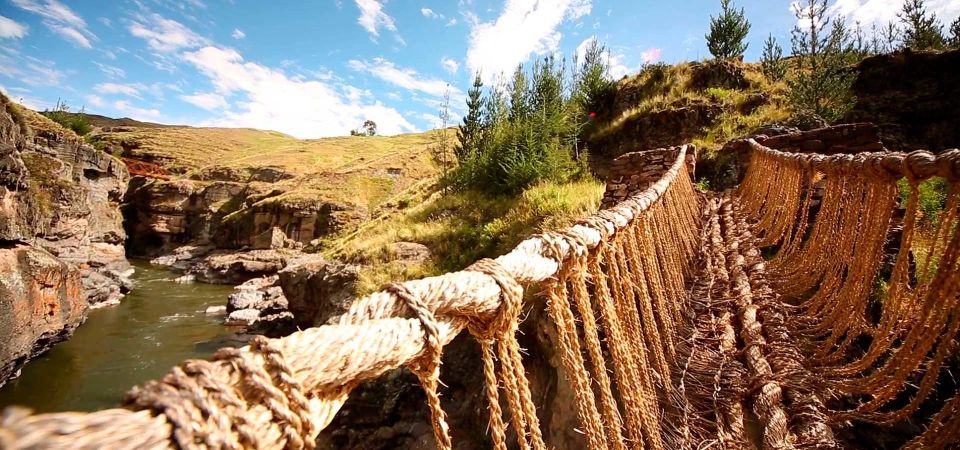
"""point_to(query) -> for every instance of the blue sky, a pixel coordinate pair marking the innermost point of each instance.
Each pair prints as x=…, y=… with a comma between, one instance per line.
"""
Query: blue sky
x=319, y=68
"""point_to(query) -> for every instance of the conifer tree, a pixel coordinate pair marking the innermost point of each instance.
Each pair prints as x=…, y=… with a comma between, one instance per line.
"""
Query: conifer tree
x=469, y=133
x=955, y=33
x=774, y=68
x=821, y=83
x=592, y=87
x=922, y=30
x=728, y=32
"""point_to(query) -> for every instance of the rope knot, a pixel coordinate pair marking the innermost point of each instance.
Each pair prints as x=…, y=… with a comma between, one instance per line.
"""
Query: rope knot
x=511, y=298
x=948, y=164
x=920, y=165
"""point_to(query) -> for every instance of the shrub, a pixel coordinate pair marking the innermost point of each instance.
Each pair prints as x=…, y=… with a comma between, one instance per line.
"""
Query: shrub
x=77, y=122
x=821, y=83
x=922, y=30
x=774, y=68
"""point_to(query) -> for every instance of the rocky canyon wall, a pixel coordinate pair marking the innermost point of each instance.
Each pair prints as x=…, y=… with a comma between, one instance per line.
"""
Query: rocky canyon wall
x=61, y=233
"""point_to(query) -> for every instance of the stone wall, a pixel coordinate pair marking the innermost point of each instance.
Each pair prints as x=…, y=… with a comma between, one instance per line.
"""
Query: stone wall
x=633, y=172
x=847, y=138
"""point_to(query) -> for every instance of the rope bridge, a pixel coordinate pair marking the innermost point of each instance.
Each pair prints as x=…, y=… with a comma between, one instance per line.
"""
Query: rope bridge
x=675, y=327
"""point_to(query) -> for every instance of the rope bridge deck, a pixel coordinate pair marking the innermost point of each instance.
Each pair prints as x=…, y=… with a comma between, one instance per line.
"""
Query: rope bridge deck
x=674, y=329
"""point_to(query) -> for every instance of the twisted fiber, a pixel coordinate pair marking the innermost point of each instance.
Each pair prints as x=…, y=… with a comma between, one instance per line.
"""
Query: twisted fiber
x=511, y=363
x=942, y=431
x=427, y=367
x=768, y=401
x=806, y=409
x=581, y=296
x=923, y=319
x=370, y=338
x=629, y=367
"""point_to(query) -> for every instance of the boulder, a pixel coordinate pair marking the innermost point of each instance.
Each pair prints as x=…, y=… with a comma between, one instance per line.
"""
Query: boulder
x=318, y=290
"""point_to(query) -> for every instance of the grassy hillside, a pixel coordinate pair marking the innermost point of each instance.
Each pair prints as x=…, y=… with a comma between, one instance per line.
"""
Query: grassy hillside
x=707, y=103
x=354, y=170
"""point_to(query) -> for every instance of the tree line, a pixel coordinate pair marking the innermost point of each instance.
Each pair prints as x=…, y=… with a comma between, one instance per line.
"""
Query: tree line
x=822, y=48
x=528, y=129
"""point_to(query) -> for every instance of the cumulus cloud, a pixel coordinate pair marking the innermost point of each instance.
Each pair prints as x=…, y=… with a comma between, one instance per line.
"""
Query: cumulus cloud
x=617, y=67
x=10, y=28
x=651, y=55
x=209, y=101
x=427, y=12
x=450, y=65
x=60, y=19
x=95, y=100
x=136, y=112
x=373, y=17
x=524, y=28
x=869, y=12
x=238, y=34
x=301, y=107
x=165, y=35
x=408, y=79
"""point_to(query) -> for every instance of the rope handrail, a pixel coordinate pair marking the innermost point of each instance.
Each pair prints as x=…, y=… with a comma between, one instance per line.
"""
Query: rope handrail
x=918, y=164
x=300, y=381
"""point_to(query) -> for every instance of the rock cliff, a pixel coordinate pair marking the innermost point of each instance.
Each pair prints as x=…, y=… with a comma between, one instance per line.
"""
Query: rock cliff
x=914, y=97
x=61, y=233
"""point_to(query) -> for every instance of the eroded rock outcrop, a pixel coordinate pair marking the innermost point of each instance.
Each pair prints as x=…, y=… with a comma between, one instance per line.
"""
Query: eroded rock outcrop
x=42, y=301
x=914, y=97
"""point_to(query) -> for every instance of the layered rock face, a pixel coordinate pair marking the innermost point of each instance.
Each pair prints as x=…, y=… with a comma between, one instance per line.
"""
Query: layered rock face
x=165, y=214
x=62, y=195
x=61, y=234
x=913, y=96
x=41, y=302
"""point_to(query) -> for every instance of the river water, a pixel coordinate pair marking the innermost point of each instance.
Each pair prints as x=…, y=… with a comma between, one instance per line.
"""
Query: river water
x=157, y=325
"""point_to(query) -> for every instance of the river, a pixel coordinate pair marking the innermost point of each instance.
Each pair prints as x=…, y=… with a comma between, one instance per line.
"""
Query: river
x=158, y=324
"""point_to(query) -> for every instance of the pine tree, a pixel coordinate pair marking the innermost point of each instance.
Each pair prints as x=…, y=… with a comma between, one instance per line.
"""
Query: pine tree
x=821, y=83
x=592, y=87
x=774, y=68
x=922, y=31
x=955, y=33
x=469, y=133
x=728, y=32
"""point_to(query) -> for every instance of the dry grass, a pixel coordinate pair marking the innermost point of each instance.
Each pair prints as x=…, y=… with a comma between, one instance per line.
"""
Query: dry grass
x=357, y=171
x=460, y=228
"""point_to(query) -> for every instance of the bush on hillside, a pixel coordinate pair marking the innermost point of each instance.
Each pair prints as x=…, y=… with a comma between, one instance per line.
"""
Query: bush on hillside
x=529, y=130
x=73, y=121
x=821, y=83
x=922, y=30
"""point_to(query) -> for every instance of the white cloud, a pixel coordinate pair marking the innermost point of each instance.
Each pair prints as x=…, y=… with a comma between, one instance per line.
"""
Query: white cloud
x=95, y=100
x=305, y=108
x=452, y=22
x=617, y=68
x=71, y=34
x=12, y=29
x=524, y=28
x=165, y=35
x=33, y=71
x=427, y=12
x=450, y=65
x=209, y=101
x=651, y=55
x=133, y=90
x=60, y=19
x=111, y=71
x=238, y=34
x=868, y=12
x=372, y=17
x=406, y=78
x=135, y=112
